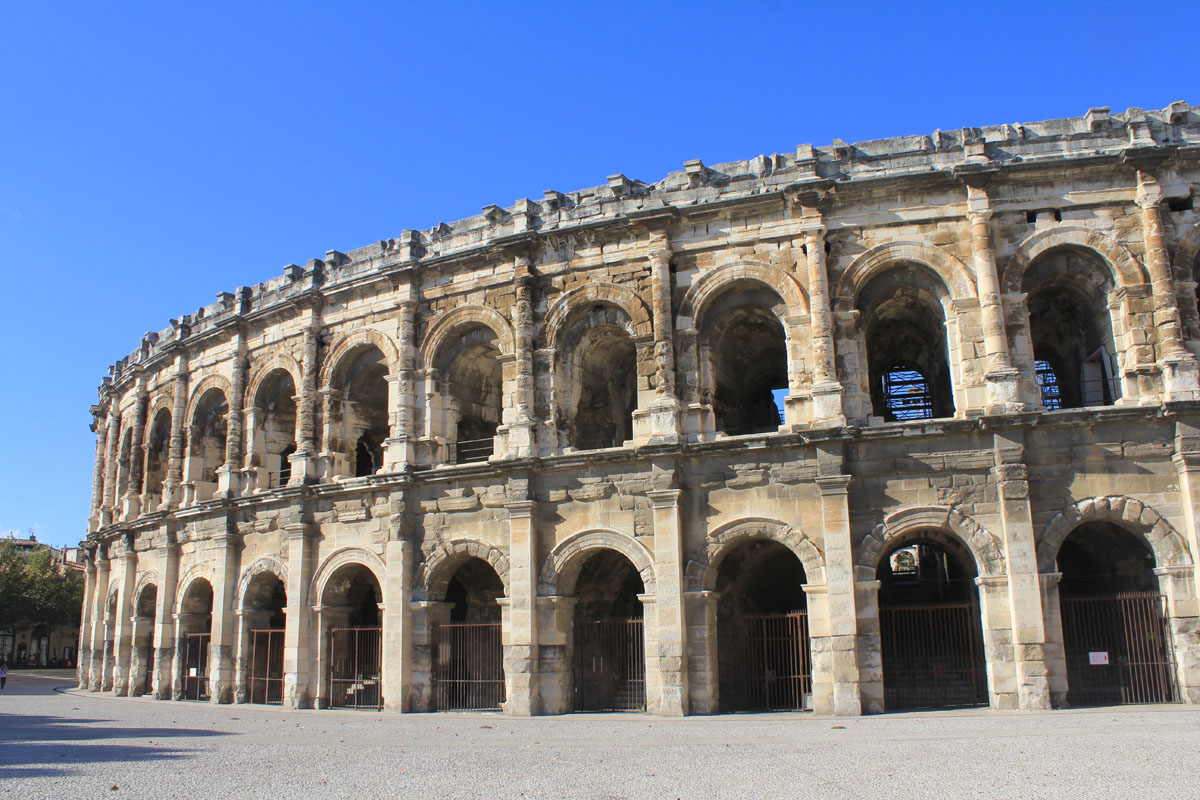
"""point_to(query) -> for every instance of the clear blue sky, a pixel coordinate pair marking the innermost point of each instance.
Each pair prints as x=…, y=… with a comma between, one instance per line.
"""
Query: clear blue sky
x=152, y=155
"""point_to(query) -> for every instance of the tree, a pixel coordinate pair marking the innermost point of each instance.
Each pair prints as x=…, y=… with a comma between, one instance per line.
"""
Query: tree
x=35, y=590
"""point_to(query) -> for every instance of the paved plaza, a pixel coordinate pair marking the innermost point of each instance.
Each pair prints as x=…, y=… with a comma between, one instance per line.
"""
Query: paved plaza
x=58, y=742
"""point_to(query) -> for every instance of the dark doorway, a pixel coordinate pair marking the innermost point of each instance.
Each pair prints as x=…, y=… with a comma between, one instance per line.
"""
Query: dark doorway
x=609, y=639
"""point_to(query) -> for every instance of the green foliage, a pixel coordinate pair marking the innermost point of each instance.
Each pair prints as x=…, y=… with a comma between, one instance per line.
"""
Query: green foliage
x=33, y=590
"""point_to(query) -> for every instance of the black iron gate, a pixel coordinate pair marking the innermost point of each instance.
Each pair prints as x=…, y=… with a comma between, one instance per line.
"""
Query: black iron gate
x=149, y=667
x=932, y=656
x=266, y=666
x=468, y=667
x=610, y=665
x=354, y=667
x=766, y=663
x=1118, y=650
x=195, y=665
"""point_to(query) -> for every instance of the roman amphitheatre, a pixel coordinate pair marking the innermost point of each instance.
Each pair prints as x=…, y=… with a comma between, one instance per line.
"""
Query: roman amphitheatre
x=906, y=423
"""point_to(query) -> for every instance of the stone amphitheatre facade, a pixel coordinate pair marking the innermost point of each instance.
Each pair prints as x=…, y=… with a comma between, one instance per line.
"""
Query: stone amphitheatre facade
x=905, y=423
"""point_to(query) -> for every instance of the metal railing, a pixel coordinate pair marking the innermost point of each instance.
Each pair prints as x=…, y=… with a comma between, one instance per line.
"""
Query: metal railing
x=766, y=663
x=470, y=451
x=195, y=665
x=266, y=666
x=468, y=669
x=355, y=660
x=610, y=665
x=1118, y=649
x=932, y=656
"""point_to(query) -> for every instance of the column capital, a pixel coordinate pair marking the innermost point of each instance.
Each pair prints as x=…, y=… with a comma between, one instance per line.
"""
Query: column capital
x=664, y=498
x=833, y=484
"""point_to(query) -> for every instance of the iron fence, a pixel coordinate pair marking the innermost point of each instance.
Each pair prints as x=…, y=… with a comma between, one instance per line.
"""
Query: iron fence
x=469, y=451
x=610, y=665
x=1118, y=649
x=195, y=665
x=932, y=656
x=766, y=663
x=468, y=669
x=266, y=666
x=355, y=659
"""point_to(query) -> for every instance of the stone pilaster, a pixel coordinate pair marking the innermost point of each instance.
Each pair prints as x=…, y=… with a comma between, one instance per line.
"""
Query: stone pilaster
x=669, y=659
x=96, y=673
x=664, y=408
x=1187, y=468
x=173, y=482
x=123, y=640
x=520, y=633
x=229, y=473
x=704, y=688
x=113, y=431
x=1180, y=372
x=842, y=589
x=304, y=460
x=1024, y=582
x=164, y=623
x=226, y=558
x=1000, y=375
x=400, y=450
x=101, y=431
x=522, y=428
x=397, y=613
x=826, y=388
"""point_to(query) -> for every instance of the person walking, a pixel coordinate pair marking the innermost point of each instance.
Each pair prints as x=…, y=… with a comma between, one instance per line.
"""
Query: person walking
x=3, y=673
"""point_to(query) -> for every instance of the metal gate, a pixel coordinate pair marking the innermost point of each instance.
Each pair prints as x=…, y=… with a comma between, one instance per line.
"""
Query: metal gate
x=354, y=667
x=1118, y=650
x=468, y=668
x=767, y=663
x=932, y=656
x=195, y=665
x=149, y=667
x=266, y=666
x=610, y=665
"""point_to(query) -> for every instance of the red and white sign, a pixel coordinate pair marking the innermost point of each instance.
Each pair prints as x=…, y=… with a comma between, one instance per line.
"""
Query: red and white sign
x=1099, y=659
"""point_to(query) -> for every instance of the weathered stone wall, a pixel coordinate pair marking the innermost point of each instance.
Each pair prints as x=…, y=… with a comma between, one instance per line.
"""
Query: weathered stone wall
x=619, y=321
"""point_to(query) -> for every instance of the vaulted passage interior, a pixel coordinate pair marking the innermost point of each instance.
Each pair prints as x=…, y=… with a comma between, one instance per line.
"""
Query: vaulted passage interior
x=468, y=668
x=357, y=412
x=1070, y=325
x=353, y=638
x=206, y=443
x=929, y=620
x=903, y=313
x=195, y=638
x=262, y=626
x=600, y=378
x=764, y=659
x=272, y=422
x=609, y=642
x=1116, y=637
x=158, y=442
x=467, y=402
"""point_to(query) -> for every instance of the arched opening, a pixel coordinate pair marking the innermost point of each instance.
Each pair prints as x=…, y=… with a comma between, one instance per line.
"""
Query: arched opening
x=124, y=464
x=904, y=323
x=1115, y=634
x=142, y=669
x=206, y=443
x=601, y=371
x=354, y=638
x=469, y=397
x=468, y=668
x=747, y=356
x=263, y=620
x=363, y=425
x=763, y=656
x=274, y=429
x=609, y=640
x=195, y=634
x=929, y=625
x=1071, y=329
x=158, y=442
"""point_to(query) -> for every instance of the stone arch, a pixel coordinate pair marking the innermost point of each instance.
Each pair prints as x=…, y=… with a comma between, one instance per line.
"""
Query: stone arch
x=148, y=578
x=625, y=299
x=278, y=361
x=983, y=546
x=162, y=401
x=440, y=565
x=701, y=571
x=712, y=284
x=347, y=343
x=952, y=272
x=194, y=573
x=339, y=559
x=448, y=324
x=265, y=564
x=561, y=567
x=1126, y=270
x=1186, y=254
x=202, y=388
x=1168, y=546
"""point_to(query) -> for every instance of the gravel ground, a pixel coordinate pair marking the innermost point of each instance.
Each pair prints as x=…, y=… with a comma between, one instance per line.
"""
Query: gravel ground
x=58, y=742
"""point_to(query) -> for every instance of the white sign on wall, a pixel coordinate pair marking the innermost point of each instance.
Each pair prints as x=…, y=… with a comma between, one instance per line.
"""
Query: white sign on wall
x=192, y=670
x=1099, y=659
